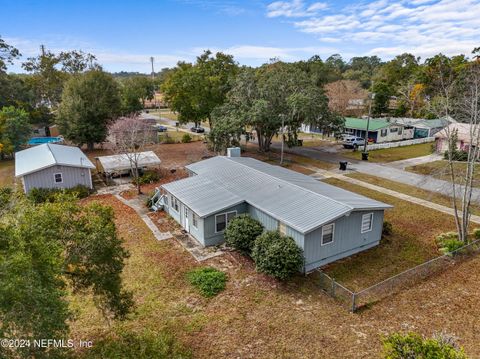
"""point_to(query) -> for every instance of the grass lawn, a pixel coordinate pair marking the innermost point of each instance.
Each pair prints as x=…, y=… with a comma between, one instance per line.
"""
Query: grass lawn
x=165, y=113
x=441, y=170
x=412, y=242
x=393, y=154
x=257, y=317
x=7, y=172
x=176, y=136
x=410, y=190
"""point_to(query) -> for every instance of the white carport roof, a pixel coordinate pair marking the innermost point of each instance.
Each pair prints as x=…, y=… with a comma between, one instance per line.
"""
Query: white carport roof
x=122, y=162
x=47, y=155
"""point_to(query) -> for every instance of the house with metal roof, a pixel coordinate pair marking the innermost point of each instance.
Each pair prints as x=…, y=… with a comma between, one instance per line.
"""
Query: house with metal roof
x=121, y=164
x=380, y=130
x=53, y=166
x=327, y=222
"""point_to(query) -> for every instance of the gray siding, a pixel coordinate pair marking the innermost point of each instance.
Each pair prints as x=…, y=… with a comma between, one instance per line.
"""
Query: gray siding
x=210, y=237
x=72, y=176
x=270, y=223
x=348, y=239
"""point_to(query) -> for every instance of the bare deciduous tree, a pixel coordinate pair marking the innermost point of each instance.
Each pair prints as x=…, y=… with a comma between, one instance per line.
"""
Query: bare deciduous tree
x=346, y=97
x=130, y=136
x=459, y=97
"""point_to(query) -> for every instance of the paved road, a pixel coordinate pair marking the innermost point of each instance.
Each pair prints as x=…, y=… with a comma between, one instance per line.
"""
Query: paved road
x=168, y=122
x=385, y=170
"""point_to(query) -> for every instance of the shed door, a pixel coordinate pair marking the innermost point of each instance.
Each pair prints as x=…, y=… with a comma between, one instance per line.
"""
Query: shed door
x=185, y=220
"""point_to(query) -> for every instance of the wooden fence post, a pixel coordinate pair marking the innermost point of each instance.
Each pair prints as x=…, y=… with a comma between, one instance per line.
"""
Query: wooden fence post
x=354, y=307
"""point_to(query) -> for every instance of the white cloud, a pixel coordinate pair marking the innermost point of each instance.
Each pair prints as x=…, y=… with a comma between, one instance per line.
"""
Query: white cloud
x=423, y=27
x=294, y=8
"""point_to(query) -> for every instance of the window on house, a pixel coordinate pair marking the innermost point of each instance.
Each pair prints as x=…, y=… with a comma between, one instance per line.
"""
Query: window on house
x=399, y=130
x=58, y=178
x=384, y=132
x=221, y=220
x=194, y=220
x=327, y=233
x=393, y=130
x=175, y=204
x=367, y=222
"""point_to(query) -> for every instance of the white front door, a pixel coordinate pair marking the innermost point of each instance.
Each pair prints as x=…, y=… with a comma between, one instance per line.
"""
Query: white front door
x=185, y=219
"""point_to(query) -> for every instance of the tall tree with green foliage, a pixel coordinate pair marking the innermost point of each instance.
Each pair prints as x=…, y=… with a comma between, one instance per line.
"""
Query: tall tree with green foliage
x=15, y=130
x=47, y=249
x=194, y=90
x=134, y=92
x=8, y=53
x=90, y=101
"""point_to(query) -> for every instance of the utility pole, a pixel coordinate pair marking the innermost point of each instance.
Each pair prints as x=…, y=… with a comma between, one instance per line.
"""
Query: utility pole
x=152, y=59
x=283, y=139
x=372, y=96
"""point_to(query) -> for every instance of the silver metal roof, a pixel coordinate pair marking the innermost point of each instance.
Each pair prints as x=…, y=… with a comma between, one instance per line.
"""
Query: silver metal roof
x=43, y=156
x=202, y=195
x=293, y=198
x=122, y=162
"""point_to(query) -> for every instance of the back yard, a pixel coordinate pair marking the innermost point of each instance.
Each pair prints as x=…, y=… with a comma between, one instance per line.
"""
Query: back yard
x=256, y=317
x=7, y=172
x=392, y=154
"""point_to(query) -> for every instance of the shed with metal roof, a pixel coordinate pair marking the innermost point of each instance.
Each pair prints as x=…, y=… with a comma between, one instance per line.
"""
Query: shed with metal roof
x=53, y=166
x=327, y=222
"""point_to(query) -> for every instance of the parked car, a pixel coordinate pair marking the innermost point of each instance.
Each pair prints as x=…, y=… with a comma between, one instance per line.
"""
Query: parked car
x=197, y=129
x=160, y=128
x=353, y=142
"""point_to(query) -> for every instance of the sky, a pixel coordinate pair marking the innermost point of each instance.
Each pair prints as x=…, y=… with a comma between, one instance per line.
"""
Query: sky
x=124, y=34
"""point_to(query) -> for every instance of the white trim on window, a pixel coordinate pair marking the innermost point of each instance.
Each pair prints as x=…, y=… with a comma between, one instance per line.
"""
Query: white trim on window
x=367, y=221
x=55, y=177
x=194, y=220
x=332, y=226
x=225, y=214
x=175, y=206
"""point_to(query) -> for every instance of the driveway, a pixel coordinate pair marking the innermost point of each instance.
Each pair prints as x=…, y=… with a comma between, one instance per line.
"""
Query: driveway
x=391, y=171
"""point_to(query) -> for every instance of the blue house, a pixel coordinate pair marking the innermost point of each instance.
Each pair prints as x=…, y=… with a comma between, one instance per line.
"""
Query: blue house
x=327, y=222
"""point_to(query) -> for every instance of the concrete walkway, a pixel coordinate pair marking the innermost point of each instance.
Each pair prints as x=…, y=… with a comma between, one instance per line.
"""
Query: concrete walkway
x=320, y=174
x=137, y=205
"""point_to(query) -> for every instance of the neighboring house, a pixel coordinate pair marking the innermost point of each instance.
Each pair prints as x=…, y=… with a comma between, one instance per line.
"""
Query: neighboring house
x=118, y=165
x=327, y=222
x=422, y=127
x=464, y=133
x=53, y=166
x=380, y=130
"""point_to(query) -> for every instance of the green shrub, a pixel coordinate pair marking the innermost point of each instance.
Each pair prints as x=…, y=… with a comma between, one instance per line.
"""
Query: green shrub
x=476, y=233
x=186, y=138
x=241, y=233
x=209, y=281
x=147, y=177
x=387, y=229
x=448, y=242
x=412, y=345
x=5, y=196
x=146, y=345
x=277, y=255
x=457, y=155
x=167, y=139
x=41, y=195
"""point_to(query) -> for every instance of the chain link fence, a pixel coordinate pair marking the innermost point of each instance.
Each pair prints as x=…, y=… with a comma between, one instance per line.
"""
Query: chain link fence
x=354, y=300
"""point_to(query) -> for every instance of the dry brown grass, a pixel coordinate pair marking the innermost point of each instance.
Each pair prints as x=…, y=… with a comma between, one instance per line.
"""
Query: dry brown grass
x=7, y=173
x=392, y=154
x=256, y=317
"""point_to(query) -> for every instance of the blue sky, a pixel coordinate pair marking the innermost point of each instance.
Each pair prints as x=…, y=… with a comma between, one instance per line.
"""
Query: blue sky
x=123, y=34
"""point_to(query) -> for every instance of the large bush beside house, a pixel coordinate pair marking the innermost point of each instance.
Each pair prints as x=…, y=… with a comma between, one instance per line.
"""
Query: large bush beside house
x=41, y=195
x=412, y=345
x=241, y=233
x=277, y=255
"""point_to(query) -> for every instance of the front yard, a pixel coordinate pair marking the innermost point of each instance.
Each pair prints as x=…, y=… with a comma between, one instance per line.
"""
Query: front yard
x=440, y=169
x=392, y=154
x=257, y=317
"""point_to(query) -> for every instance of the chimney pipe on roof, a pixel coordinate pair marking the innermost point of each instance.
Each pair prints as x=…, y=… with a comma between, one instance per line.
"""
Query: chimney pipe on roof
x=234, y=152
